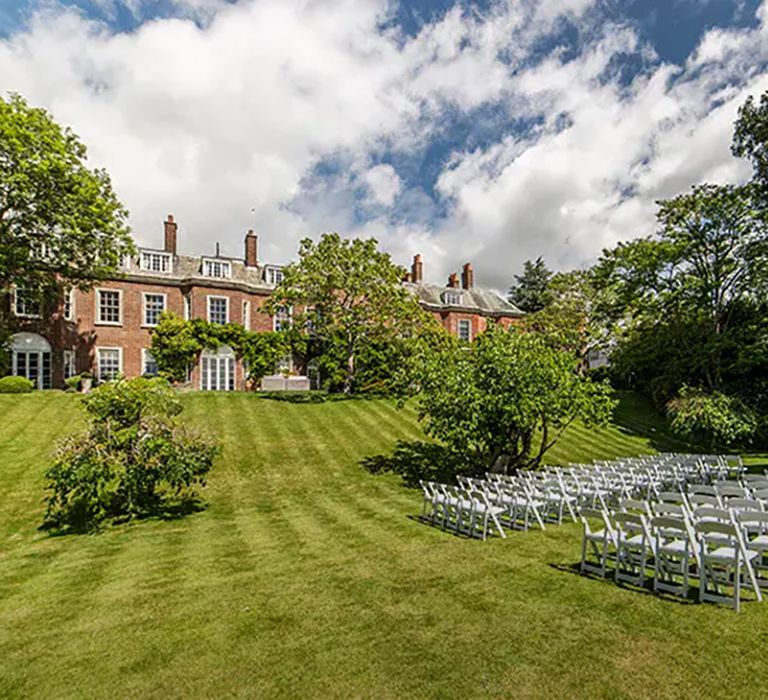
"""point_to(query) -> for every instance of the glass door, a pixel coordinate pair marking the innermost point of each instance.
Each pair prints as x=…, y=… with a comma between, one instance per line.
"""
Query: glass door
x=217, y=373
x=35, y=366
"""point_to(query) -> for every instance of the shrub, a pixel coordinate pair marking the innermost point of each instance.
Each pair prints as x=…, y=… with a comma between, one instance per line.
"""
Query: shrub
x=133, y=459
x=713, y=418
x=73, y=383
x=15, y=385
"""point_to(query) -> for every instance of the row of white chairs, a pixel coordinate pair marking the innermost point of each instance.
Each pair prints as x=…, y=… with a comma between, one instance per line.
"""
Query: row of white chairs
x=723, y=547
x=538, y=498
x=466, y=510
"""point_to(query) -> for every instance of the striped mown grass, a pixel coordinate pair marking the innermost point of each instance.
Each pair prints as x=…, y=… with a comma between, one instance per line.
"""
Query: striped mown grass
x=308, y=576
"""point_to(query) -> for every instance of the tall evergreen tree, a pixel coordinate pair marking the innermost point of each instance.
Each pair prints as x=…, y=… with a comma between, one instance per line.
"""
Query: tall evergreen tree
x=531, y=293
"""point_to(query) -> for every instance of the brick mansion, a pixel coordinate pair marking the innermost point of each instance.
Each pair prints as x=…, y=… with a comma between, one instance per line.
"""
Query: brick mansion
x=107, y=329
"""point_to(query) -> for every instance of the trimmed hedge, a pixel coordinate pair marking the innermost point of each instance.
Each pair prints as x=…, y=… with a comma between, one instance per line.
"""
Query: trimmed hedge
x=15, y=385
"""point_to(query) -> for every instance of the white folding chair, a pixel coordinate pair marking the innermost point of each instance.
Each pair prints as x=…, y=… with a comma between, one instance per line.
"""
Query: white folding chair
x=601, y=541
x=676, y=549
x=483, y=510
x=724, y=561
x=754, y=525
x=633, y=543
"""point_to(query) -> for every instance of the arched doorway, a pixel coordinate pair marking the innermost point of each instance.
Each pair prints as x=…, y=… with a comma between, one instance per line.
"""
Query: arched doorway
x=217, y=369
x=31, y=358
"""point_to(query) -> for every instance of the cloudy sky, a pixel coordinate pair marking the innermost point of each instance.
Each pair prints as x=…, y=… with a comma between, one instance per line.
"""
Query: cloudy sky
x=486, y=131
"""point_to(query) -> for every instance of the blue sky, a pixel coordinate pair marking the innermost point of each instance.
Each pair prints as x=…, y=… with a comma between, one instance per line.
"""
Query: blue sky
x=487, y=131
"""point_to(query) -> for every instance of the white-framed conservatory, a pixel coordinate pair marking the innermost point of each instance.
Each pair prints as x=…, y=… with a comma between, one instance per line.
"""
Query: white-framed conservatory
x=31, y=358
x=217, y=369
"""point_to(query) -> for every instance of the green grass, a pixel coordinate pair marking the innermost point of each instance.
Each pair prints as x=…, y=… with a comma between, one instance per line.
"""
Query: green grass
x=307, y=576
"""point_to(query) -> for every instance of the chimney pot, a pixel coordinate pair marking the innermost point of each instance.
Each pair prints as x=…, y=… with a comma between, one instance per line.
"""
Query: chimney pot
x=171, y=228
x=251, y=249
x=467, y=276
x=417, y=269
x=453, y=280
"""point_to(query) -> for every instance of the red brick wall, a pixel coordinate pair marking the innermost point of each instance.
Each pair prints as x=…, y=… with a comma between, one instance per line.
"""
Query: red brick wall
x=450, y=321
x=85, y=335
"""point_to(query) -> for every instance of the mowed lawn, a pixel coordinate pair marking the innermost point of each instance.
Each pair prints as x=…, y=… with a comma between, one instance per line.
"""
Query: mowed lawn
x=307, y=576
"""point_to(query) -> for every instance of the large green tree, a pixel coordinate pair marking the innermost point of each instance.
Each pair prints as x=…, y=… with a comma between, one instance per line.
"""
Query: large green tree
x=750, y=137
x=573, y=320
x=349, y=297
x=696, y=279
x=531, y=291
x=505, y=400
x=61, y=222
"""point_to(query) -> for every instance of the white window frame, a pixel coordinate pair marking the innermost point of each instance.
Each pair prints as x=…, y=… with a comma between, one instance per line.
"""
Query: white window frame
x=209, y=264
x=468, y=323
x=271, y=273
x=69, y=298
x=99, y=350
x=452, y=298
x=147, y=257
x=145, y=353
x=187, y=306
x=211, y=297
x=289, y=317
x=210, y=378
x=25, y=314
x=144, y=296
x=99, y=321
x=247, y=315
x=69, y=365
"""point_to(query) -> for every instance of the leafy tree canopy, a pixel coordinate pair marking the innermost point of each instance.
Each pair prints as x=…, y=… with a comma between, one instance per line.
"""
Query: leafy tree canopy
x=532, y=292
x=59, y=220
x=350, y=298
x=502, y=402
x=693, y=284
x=750, y=137
x=574, y=318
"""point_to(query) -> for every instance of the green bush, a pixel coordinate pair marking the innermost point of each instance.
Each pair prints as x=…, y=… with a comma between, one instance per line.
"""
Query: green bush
x=134, y=459
x=15, y=385
x=73, y=383
x=715, y=419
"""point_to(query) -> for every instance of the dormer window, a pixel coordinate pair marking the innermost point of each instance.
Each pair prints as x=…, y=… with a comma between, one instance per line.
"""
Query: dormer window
x=452, y=298
x=274, y=276
x=155, y=262
x=217, y=268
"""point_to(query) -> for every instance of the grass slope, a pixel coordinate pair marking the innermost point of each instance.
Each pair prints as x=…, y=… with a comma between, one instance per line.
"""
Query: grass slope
x=307, y=576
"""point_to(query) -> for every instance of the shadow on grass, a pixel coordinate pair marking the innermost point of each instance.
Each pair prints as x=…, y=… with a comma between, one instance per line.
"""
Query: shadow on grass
x=418, y=460
x=647, y=589
x=294, y=396
x=166, y=510
x=636, y=416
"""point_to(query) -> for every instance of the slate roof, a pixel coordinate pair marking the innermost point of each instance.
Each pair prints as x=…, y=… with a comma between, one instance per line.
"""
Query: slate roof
x=473, y=300
x=188, y=269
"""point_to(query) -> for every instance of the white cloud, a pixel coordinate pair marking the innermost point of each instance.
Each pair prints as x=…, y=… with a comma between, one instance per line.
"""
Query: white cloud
x=383, y=183
x=213, y=119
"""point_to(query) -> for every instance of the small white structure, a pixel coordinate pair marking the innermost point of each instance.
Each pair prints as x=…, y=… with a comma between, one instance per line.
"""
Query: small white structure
x=280, y=382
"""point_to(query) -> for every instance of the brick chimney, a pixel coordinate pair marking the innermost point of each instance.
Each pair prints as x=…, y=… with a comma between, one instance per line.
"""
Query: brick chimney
x=467, y=276
x=417, y=269
x=251, y=249
x=453, y=280
x=170, y=234
x=407, y=277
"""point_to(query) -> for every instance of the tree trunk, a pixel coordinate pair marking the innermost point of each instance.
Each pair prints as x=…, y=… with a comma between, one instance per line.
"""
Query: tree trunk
x=349, y=380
